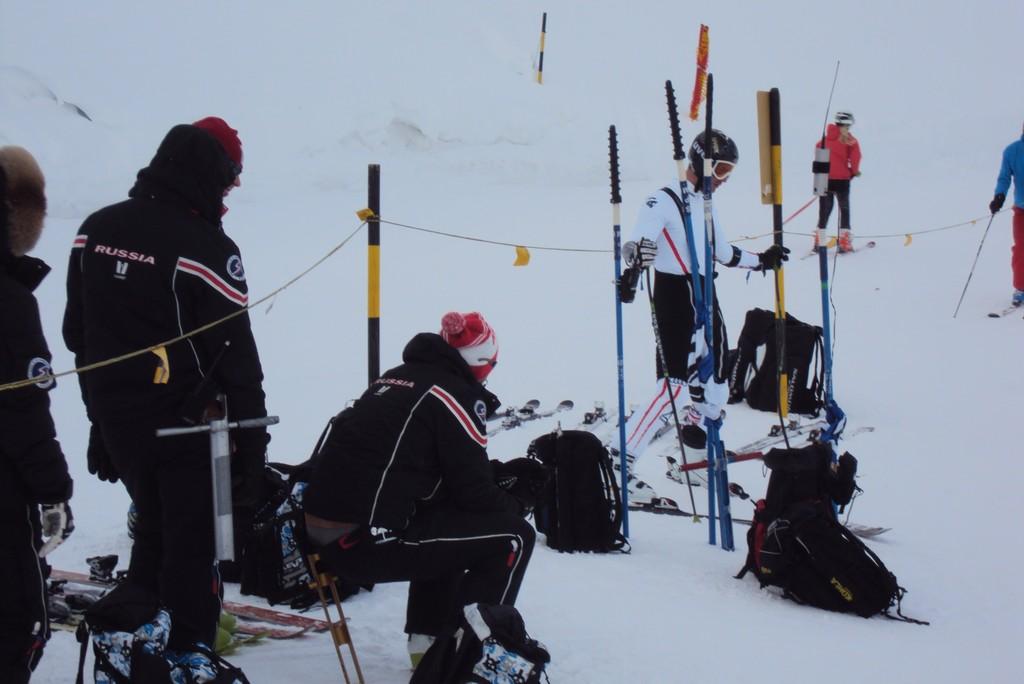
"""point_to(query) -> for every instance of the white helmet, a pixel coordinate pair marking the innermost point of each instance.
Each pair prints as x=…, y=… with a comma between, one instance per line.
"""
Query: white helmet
x=844, y=119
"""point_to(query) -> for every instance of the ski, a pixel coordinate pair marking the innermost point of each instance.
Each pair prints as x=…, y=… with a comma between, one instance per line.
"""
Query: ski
x=514, y=421
x=594, y=418
x=529, y=407
x=245, y=611
x=697, y=478
x=1006, y=312
x=660, y=505
x=867, y=245
x=863, y=531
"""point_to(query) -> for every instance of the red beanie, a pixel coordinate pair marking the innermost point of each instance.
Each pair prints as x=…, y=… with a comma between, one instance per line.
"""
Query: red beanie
x=225, y=135
x=475, y=340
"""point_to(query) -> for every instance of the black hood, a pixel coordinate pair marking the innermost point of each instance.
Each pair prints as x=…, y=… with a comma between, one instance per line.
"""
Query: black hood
x=431, y=348
x=189, y=168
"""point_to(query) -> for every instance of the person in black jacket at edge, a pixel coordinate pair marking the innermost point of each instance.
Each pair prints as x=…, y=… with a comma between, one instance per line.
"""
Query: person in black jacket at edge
x=402, y=488
x=34, y=483
x=142, y=272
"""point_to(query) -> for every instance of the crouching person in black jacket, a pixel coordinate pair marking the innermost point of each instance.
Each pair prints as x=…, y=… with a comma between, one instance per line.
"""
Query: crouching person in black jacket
x=402, y=489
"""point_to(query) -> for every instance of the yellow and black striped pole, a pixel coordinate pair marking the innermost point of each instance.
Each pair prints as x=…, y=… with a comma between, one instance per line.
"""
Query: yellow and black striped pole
x=540, y=60
x=770, y=136
x=373, y=273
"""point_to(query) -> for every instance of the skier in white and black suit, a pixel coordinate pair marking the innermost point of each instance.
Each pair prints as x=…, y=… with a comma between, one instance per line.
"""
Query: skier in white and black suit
x=659, y=240
x=402, y=489
x=33, y=473
x=142, y=272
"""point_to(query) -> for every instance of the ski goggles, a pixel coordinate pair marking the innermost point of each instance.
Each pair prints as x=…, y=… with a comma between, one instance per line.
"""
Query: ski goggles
x=720, y=170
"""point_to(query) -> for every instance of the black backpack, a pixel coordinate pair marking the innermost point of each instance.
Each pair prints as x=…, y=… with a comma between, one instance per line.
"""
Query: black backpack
x=796, y=543
x=490, y=645
x=580, y=508
x=274, y=561
x=758, y=382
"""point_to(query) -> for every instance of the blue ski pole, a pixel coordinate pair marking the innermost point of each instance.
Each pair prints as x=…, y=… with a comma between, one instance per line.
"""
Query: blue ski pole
x=613, y=160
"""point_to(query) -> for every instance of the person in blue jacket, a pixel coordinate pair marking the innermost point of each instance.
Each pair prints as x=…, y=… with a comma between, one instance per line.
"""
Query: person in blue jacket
x=1012, y=166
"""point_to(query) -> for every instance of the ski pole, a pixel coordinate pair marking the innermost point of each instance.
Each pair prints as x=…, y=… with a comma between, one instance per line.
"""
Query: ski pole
x=613, y=163
x=969, y=275
x=718, y=472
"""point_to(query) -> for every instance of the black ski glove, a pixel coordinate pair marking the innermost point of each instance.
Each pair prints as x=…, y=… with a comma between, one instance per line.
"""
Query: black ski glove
x=997, y=202
x=97, y=458
x=248, y=463
x=773, y=257
x=523, y=478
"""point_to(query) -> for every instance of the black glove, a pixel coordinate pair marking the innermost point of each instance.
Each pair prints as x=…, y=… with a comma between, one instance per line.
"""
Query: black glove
x=248, y=463
x=627, y=284
x=844, y=481
x=97, y=458
x=773, y=257
x=997, y=202
x=523, y=478
x=57, y=524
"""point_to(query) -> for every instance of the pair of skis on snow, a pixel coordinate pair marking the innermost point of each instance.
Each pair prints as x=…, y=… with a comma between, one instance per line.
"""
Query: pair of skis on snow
x=516, y=416
x=78, y=591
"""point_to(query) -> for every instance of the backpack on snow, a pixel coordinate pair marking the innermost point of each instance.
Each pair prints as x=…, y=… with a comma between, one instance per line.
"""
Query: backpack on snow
x=129, y=632
x=797, y=544
x=580, y=508
x=490, y=645
x=758, y=383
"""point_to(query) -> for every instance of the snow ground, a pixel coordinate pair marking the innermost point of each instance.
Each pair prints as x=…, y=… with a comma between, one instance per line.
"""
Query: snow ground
x=443, y=97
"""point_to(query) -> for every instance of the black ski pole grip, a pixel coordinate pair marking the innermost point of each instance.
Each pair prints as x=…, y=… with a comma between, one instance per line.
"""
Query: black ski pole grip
x=673, y=122
x=613, y=162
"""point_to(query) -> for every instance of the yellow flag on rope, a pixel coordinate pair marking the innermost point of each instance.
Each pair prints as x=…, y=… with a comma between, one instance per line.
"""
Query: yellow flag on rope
x=364, y=214
x=910, y=238
x=522, y=256
x=163, y=372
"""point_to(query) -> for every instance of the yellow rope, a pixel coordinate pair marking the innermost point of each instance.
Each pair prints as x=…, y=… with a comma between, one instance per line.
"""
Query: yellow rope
x=45, y=378
x=124, y=357
x=496, y=242
x=608, y=251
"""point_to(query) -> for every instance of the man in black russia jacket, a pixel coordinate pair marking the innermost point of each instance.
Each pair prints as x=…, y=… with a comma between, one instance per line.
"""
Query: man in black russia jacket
x=143, y=272
x=402, y=488
x=33, y=472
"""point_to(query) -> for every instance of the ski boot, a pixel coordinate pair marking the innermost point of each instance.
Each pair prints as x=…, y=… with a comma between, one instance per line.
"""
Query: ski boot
x=642, y=496
x=845, y=240
x=1018, y=298
x=696, y=442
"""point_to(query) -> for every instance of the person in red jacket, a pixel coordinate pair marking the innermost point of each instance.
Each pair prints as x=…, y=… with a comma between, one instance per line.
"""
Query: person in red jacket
x=844, y=165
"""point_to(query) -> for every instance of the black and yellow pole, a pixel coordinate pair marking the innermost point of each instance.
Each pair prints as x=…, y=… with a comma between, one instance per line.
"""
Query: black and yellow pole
x=543, y=34
x=373, y=273
x=770, y=137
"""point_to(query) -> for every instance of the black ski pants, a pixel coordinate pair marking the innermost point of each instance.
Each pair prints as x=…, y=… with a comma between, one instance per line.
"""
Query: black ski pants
x=24, y=626
x=170, y=483
x=450, y=559
x=840, y=189
x=676, y=316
